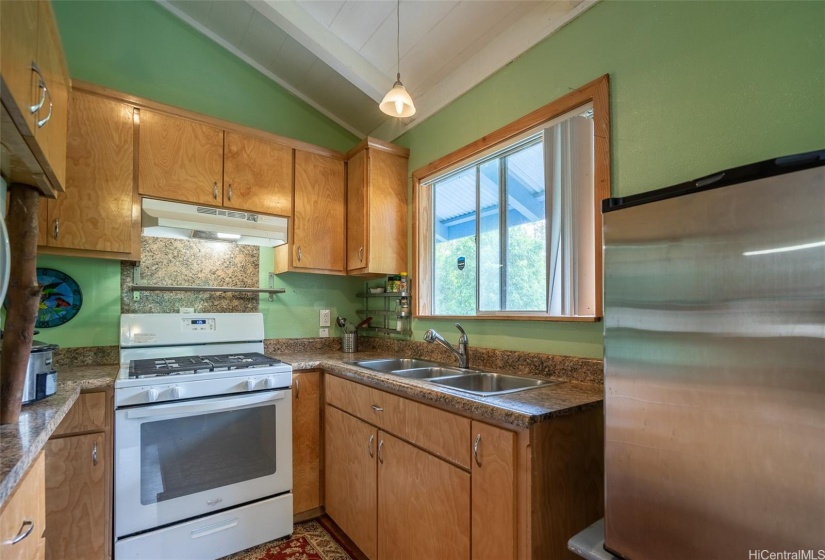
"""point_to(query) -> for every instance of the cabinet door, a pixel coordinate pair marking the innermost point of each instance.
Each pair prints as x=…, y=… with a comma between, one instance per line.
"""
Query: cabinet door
x=357, y=215
x=51, y=136
x=258, y=175
x=306, y=441
x=494, y=501
x=26, y=504
x=319, y=228
x=350, y=447
x=95, y=212
x=387, y=217
x=76, y=499
x=424, y=504
x=180, y=159
x=18, y=49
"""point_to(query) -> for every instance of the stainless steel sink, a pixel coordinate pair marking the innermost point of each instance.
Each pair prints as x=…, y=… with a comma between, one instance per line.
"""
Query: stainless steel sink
x=487, y=384
x=391, y=365
x=431, y=372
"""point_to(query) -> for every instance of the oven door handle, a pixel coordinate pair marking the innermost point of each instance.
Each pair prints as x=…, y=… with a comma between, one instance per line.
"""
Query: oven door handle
x=204, y=406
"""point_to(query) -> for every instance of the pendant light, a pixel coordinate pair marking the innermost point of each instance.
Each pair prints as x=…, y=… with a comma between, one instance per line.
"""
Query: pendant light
x=398, y=103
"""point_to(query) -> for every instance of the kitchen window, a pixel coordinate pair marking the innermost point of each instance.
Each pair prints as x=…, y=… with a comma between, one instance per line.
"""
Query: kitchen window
x=509, y=227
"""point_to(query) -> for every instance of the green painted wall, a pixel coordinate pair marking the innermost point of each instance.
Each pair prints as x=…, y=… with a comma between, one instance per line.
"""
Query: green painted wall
x=140, y=48
x=695, y=87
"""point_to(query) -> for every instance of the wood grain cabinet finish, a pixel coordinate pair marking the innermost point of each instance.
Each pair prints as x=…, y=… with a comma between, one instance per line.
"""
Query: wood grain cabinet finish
x=25, y=514
x=306, y=441
x=350, y=488
x=79, y=481
x=96, y=213
x=376, y=208
x=180, y=159
x=317, y=231
x=424, y=504
x=257, y=175
x=35, y=75
x=494, y=493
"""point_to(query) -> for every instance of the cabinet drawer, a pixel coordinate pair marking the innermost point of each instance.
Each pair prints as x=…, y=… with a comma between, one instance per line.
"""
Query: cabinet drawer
x=88, y=414
x=439, y=432
x=27, y=505
x=359, y=400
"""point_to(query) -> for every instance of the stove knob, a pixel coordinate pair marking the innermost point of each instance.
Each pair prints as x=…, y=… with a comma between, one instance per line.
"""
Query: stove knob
x=152, y=395
x=269, y=383
x=176, y=392
x=250, y=384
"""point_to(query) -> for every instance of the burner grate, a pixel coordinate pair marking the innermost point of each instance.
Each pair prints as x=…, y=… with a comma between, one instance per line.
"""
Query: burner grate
x=180, y=365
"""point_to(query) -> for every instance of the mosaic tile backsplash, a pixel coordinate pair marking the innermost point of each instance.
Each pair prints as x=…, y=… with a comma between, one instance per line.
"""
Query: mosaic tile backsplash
x=180, y=262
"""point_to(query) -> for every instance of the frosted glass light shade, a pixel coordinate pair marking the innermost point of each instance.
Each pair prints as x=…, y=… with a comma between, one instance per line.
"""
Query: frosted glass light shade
x=397, y=103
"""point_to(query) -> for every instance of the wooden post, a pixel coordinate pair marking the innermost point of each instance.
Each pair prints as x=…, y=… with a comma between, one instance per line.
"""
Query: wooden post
x=23, y=296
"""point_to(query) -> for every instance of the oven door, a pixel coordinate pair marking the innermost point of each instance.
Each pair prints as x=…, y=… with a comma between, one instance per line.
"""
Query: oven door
x=179, y=460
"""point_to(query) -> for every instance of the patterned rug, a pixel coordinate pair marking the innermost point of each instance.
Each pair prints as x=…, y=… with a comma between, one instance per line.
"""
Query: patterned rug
x=309, y=541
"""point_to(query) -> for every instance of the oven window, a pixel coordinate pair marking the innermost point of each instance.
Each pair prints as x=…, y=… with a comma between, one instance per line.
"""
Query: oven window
x=184, y=456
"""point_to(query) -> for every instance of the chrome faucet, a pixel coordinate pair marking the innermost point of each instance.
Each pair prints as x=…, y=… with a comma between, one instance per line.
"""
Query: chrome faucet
x=463, y=352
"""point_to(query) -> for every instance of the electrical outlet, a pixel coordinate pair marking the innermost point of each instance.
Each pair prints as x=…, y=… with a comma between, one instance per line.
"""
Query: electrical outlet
x=325, y=318
x=184, y=310
x=323, y=332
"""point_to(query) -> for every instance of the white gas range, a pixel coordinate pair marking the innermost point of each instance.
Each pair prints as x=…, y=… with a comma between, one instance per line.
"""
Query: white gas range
x=203, y=437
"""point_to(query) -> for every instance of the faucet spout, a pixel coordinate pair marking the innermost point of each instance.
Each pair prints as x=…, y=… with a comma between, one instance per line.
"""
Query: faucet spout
x=463, y=345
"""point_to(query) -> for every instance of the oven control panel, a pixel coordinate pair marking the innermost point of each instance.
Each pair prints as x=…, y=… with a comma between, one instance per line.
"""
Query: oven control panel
x=184, y=387
x=197, y=324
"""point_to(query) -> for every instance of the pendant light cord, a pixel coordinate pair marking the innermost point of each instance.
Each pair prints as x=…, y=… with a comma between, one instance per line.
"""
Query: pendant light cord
x=398, y=40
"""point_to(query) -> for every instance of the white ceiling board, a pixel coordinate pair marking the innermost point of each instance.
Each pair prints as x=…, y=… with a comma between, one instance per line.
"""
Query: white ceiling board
x=324, y=11
x=355, y=25
x=263, y=40
x=288, y=15
x=230, y=20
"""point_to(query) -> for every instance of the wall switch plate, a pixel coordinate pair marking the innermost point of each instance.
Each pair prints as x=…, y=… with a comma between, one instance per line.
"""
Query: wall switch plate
x=323, y=332
x=325, y=318
x=187, y=310
x=136, y=296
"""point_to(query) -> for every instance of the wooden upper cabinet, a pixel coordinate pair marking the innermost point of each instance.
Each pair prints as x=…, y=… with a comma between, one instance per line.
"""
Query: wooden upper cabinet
x=35, y=95
x=318, y=228
x=95, y=213
x=52, y=119
x=18, y=25
x=377, y=208
x=180, y=159
x=257, y=175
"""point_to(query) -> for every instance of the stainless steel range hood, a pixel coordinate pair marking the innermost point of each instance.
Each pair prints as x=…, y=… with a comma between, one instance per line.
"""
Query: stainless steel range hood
x=160, y=218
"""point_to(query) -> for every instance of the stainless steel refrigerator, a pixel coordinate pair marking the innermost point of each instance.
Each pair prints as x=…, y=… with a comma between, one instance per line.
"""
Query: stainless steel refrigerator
x=714, y=296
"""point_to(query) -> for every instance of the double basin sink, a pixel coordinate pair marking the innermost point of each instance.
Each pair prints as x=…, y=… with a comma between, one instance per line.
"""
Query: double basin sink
x=477, y=382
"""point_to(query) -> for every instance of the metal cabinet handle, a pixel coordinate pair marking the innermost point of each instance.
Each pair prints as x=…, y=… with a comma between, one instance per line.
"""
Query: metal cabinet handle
x=94, y=455
x=215, y=190
x=377, y=408
x=360, y=254
x=43, y=121
x=475, y=449
x=25, y=530
x=300, y=253
x=297, y=389
x=230, y=191
x=369, y=445
x=41, y=83
x=56, y=231
x=380, y=451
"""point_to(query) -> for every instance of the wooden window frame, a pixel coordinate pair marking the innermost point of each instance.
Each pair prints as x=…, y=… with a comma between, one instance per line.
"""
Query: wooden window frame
x=596, y=92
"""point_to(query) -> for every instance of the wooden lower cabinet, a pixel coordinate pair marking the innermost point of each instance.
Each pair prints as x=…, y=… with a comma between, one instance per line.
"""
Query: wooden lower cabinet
x=409, y=493
x=306, y=441
x=23, y=517
x=350, y=490
x=79, y=481
x=423, y=504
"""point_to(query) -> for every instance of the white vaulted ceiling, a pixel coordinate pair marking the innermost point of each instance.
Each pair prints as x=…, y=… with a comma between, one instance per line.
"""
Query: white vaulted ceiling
x=340, y=55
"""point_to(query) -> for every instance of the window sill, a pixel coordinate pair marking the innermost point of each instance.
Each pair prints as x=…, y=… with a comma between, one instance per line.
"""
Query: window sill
x=553, y=318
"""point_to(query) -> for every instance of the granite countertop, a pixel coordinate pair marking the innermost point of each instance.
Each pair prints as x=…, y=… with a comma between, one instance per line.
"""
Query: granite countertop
x=521, y=409
x=21, y=443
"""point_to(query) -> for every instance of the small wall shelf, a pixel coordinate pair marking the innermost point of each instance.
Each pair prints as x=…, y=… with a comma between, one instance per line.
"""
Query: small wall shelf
x=386, y=316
